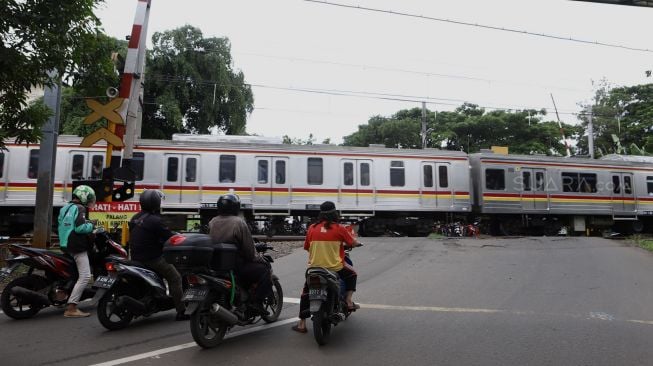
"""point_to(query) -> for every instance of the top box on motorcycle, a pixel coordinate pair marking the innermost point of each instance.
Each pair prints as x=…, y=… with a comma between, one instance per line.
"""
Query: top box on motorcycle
x=197, y=251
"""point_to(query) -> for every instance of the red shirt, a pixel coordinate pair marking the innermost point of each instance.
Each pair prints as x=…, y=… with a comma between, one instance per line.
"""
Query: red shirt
x=325, y=246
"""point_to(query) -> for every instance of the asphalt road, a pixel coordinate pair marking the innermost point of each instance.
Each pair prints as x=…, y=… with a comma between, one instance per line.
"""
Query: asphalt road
x=518, y=301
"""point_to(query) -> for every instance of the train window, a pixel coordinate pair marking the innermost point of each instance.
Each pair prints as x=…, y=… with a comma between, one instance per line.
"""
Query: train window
x=314, y=171
x=649, y=183
x=628, y=185
x=348, y=174
x=2, y=163
x=569, y=182
x=539, y=181
x=191, y=170
x=227, y=168
x=280, y=172
x=33, y=167
x=428, y=175
x=526, y=181
x=262, y=171
x=77, y=170
x=365, y=174
x=96, y=168
x=173, y=169
x=397, y=174
x=616, y=184
x=138, y=165
x=443, y=176
x=495, y=179
x=587, y=183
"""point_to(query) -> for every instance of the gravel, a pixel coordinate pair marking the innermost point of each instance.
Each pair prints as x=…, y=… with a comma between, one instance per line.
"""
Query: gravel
x=283, y=248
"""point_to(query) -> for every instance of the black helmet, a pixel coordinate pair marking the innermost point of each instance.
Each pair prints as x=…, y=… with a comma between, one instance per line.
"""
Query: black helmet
x=228, y=204
x=151, y=200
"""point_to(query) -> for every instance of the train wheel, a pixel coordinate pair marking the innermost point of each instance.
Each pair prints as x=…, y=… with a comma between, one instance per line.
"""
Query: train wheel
x=510, y=227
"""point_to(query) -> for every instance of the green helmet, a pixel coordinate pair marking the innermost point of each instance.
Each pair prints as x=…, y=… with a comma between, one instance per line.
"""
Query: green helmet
x=85, y=194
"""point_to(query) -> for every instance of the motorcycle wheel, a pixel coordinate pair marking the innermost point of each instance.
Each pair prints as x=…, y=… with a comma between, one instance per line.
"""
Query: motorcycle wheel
x=109, y=316
x=274, y=303
x=14, y=306
x=321, y=326
x=207, y=332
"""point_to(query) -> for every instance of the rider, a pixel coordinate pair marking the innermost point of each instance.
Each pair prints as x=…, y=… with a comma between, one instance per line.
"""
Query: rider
x=147, y=235
x=324, y=243
x=252, y=269
x=74, y=230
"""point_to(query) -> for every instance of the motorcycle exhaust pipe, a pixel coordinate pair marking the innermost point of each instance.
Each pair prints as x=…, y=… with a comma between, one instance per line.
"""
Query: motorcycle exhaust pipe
x=224, y=314
x=30, y=296
x=134, y=306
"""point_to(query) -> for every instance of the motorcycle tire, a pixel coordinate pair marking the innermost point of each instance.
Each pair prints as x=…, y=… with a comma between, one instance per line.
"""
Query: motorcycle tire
x=321, y=326
x=207, y=331
x=274, y=303
x=107, y=314
x=13, y=306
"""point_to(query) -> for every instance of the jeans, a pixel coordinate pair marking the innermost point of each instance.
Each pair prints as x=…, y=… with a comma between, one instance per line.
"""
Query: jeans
x=169, y=272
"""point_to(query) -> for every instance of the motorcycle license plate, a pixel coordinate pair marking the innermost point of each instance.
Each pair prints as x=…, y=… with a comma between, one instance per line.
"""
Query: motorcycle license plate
x=317, y=292
x=104, y=282
x=195, y=294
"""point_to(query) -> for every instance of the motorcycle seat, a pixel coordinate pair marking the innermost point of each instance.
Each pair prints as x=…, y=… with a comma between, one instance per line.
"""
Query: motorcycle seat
x=128, y=262
x=319, y=271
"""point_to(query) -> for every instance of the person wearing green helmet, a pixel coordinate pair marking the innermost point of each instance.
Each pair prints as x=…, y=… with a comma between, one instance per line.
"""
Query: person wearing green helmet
x=74, y=240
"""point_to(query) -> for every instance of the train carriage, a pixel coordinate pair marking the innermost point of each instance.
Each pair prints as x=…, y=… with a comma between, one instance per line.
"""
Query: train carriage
x=546, y=193
x=384, y=188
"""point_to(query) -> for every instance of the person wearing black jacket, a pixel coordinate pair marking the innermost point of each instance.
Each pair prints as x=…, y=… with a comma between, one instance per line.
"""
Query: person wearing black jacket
x=148, y=233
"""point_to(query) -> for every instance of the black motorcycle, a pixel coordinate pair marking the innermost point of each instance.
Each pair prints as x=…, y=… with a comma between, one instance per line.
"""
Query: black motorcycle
x=326, y=294
x=215, y=299
x=25, y=296
x=130, y=290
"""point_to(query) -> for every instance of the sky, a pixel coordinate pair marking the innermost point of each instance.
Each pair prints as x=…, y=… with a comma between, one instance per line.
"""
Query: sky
x=285, y=47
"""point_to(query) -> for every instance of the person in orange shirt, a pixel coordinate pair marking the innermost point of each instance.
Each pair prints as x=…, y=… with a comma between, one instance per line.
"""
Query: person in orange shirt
x=325, y=243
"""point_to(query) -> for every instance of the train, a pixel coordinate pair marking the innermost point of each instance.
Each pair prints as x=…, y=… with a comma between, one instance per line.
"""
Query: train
x=406, y=191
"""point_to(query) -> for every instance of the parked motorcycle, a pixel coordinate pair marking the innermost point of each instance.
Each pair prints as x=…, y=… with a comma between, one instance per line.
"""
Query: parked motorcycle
x=25, y=296
x=326, y=294
x=215, y=299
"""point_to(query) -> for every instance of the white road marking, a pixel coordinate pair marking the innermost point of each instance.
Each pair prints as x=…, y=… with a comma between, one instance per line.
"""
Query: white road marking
x=294, y=300
x=159, y=352
x=648, y=322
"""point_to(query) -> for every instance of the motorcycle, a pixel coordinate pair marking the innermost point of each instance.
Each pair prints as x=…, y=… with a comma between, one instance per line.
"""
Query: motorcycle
x=26, y=295
x=326, y=295
x=128, y=291
x=215, y=299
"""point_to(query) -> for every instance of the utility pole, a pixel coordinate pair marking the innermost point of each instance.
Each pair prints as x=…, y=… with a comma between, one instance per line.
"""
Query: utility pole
x=47, y=163
x=423, y=132
x=590, y=132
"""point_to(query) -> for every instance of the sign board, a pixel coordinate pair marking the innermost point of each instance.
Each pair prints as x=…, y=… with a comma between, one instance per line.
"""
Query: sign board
x=114, y=214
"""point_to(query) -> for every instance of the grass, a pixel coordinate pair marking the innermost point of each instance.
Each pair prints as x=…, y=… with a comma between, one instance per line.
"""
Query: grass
x=643, y=242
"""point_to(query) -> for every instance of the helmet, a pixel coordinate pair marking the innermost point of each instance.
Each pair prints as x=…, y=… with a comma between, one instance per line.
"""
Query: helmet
x=228, y=204
x=84, y=194
x=151, y=200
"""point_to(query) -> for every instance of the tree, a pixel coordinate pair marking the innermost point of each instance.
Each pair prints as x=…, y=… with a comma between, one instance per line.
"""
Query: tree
x=297, y=141
x=39, y=36
x=468, y=128
x=190, y=86
x=625, y=112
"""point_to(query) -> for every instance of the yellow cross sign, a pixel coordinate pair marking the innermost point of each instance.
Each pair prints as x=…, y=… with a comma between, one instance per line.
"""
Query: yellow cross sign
x=108, y=111
x=102, y=134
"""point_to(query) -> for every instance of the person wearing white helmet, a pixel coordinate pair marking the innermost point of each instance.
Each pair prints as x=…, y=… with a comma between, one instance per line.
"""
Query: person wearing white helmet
x=74, y=240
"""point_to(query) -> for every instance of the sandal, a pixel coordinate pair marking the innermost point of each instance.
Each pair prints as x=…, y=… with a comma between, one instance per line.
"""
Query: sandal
x=297, y=329
x=354, y=308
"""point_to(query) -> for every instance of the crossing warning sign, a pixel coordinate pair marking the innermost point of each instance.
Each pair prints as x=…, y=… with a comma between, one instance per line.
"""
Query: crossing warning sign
x=114, y=214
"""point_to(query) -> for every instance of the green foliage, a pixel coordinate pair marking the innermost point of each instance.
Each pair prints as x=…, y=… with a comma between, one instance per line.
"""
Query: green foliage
x=191, y=87
x=297, y=141
x=469, y=128
x=39, y=36
x=626, y=112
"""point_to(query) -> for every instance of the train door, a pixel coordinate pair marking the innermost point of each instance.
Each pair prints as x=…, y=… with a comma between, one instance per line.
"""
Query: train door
x=533, y=194
x=356, y=189
x=181, y=181
x=435, y=186
x=82, y=165
x=4, y=160
x=623, y=198
x=272, y=186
